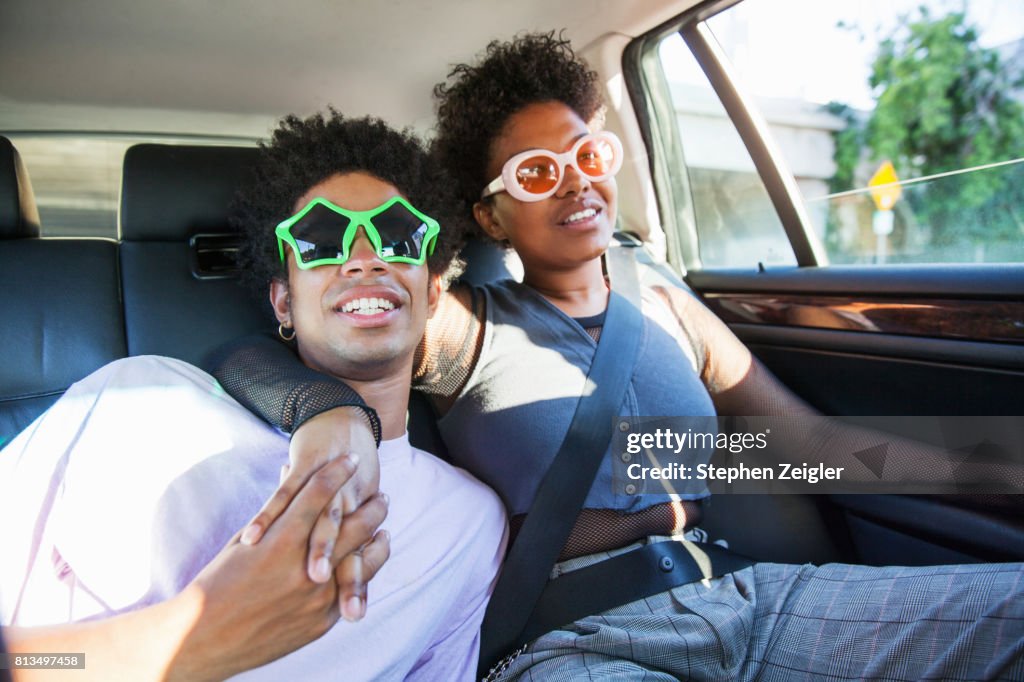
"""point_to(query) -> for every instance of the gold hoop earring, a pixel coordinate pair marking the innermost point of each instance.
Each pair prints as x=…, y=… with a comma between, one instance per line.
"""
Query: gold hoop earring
x=281, y=329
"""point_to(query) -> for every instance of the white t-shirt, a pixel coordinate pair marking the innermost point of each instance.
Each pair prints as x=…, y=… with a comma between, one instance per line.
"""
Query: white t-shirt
x=134, y=480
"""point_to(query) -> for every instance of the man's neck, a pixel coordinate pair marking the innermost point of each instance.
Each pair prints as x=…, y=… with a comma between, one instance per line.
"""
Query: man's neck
x=389, y=396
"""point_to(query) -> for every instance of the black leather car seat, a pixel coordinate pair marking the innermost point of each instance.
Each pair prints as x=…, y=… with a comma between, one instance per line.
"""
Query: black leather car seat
x=61, y=306
x=181, y=293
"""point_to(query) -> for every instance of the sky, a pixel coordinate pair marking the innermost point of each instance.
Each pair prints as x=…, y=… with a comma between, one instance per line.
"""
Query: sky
x=792, y=48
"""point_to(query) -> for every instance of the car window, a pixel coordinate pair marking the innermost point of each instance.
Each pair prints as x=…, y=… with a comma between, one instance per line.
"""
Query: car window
x=902, y=123
x=735, y=220
x=76, y=178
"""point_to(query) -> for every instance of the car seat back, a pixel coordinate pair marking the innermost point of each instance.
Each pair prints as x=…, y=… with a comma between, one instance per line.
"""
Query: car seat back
x=61, y=305
x=182, y=297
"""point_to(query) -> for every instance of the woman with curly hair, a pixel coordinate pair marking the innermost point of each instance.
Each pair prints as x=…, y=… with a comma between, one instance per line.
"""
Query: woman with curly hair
x=519, y=132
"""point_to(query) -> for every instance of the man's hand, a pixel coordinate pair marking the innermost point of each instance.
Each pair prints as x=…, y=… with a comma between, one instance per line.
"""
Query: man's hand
x=258, y=599
x=331, y=434
x=249, y=606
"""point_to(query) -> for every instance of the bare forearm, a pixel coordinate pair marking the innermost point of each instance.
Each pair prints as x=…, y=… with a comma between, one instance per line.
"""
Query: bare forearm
x=740, y=385
x=149, y=644
x=229, y=617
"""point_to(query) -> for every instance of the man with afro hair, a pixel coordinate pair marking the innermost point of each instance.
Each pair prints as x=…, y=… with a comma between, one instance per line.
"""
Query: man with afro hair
x=125, y=498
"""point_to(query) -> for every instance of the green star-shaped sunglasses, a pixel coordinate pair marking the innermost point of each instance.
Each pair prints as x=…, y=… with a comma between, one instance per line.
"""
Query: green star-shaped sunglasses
x=322, y=233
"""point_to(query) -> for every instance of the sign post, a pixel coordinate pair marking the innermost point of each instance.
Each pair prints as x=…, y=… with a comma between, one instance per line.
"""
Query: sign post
x=885, y=191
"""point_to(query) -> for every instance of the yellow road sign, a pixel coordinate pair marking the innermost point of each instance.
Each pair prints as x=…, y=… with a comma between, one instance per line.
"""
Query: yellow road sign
x=885, y=187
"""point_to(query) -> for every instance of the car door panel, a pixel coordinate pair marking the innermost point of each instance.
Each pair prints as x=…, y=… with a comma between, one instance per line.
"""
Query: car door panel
x=821, y=333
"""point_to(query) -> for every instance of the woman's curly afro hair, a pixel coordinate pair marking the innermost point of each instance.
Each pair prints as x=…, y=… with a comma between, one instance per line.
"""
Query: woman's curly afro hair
x=475, y=102
x=303, y=153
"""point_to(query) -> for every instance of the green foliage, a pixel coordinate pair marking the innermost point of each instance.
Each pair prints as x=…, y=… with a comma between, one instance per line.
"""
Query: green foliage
x=943, y=103
x=848, y=144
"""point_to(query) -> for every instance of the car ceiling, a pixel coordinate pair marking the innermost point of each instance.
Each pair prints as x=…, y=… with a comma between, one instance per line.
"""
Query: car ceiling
x=234, y=66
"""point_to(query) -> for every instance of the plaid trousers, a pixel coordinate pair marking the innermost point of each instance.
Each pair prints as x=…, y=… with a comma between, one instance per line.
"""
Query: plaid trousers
x=783, y=622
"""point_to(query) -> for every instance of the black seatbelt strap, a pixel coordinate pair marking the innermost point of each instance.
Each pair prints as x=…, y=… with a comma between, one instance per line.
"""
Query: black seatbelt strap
x=568, y=480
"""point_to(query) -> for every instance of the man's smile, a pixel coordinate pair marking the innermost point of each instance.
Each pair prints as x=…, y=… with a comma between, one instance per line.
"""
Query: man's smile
x=369, y=306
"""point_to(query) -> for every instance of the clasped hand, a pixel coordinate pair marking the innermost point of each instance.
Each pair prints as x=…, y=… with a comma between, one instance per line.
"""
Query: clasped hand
x=333, y=546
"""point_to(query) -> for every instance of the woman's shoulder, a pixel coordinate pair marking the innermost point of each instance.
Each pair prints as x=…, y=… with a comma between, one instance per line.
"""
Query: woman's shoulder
x=678, y=312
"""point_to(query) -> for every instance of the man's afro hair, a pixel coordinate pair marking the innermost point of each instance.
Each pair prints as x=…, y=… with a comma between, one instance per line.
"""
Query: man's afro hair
x=303, y=153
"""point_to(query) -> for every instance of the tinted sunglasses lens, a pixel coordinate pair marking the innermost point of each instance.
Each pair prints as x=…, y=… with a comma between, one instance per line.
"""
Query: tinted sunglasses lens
x=401, y=232
x=538, y=174
x=595, y=157
x=318, y=234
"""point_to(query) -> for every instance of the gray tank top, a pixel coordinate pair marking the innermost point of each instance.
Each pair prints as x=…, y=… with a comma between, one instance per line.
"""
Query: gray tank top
x=510, y=419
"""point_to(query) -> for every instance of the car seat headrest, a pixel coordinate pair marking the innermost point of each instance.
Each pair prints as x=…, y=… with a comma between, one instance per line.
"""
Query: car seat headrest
x=487, y=261
x=170, y=192
x=19, y=218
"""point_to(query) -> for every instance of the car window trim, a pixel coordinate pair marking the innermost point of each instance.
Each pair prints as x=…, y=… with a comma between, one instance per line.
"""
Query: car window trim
x=648, y=90
x=753, y=130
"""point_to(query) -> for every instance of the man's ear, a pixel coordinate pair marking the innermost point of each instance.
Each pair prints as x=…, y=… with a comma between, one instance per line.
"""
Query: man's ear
x=280, y=300
x=433, y=294
x=483, y=211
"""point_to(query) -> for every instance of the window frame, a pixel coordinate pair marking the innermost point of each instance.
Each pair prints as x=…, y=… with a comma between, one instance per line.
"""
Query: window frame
x=648, y=89
x=969, y=283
